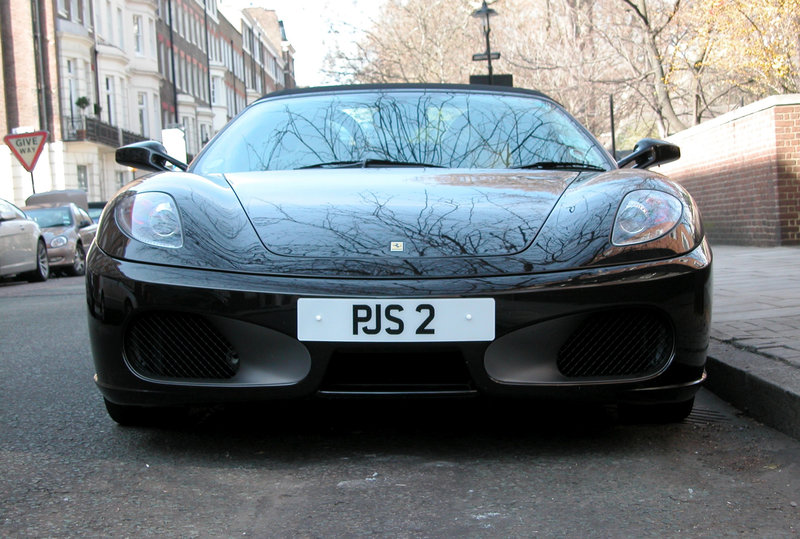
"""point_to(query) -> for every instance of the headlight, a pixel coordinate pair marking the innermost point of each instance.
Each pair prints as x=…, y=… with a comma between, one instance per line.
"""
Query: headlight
x=58, y=241
x=644, y=216
x=150, y=218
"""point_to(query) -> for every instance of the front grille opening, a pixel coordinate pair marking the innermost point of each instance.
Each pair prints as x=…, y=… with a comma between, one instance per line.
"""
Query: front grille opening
x=631, y=343
x=179, y=345
x=393, y=372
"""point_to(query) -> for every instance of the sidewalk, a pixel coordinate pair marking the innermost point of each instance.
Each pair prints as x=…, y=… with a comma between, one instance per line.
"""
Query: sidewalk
x=754, y=358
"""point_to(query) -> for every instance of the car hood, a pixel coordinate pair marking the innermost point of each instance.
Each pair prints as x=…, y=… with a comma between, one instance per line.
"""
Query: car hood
x=51, y=232
x=398, y=211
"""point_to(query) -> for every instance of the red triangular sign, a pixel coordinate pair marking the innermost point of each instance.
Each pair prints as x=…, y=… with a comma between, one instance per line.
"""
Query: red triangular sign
x=27, y=147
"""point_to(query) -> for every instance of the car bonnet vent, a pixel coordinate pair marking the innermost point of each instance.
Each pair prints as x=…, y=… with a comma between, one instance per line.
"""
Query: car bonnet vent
x=179, y=345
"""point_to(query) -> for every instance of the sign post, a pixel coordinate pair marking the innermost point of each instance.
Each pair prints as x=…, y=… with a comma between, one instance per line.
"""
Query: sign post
x=27, y=147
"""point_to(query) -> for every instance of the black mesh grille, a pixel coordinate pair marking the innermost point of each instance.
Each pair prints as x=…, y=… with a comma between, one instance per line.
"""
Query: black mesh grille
x=620, y=343
x=179, y=345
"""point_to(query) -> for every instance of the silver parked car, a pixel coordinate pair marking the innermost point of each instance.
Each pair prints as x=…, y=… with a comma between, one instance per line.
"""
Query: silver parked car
x=68, y=231
x=22, y=246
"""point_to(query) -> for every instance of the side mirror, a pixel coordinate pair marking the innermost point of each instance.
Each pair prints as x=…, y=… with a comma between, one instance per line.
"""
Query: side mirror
x=147, y=155
x=7, y=215
x=649, y=152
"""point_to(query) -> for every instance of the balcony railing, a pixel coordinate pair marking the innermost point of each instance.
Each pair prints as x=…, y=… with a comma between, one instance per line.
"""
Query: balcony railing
x=93, y=130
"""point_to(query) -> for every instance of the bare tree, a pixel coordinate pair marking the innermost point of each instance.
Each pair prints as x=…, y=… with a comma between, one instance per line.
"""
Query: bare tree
x=756, y=42
x=552, y=46
x=668, y=63
x=412, y=41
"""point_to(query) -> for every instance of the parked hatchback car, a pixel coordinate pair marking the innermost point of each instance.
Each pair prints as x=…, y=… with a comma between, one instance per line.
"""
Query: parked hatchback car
x=22, y=246
x=96, y=210
x=68, y=231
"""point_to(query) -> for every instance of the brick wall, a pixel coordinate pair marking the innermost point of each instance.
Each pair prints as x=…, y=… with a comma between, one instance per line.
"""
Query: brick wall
x=20, y=95
x=5, y=14
x=787, y=133
x=743, y=168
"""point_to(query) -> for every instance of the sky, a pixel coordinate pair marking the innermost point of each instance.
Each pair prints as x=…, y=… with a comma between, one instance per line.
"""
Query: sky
x=308, y=25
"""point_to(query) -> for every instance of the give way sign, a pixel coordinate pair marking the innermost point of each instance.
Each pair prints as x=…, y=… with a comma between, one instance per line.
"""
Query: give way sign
x=27, y=147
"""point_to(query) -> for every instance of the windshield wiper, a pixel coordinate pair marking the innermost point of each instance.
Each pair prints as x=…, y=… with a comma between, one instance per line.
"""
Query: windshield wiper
x=551, y=165
x=364, y=163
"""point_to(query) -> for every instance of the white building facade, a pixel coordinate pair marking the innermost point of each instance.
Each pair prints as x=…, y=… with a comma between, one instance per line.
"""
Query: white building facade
x=123, y=70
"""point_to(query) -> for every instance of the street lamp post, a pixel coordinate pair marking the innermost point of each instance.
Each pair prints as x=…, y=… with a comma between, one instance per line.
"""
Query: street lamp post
x=484, y=13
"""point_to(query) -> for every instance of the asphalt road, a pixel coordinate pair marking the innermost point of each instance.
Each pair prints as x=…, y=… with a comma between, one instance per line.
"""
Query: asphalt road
x=333, y=469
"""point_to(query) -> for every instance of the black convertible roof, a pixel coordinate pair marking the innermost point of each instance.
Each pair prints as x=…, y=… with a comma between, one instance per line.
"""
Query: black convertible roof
x=409, y=86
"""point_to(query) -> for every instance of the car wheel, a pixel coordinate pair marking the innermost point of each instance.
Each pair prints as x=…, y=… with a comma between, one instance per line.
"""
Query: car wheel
x=42, y=271
x=79, y=262
x=665, y=412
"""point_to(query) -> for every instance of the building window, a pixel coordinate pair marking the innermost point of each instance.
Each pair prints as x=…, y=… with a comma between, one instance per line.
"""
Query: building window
x=99, y=17
x=182, y=75
x=109, y=23
x=121, y=178
x=141, y=105
x=76, y=11
x=121, y=30
x=138, y=38
x=83, y=177
x=110, y=100
x=170, y=61
x=157, y=126
x=71, y=87
x=151, y=46
x=193, y=134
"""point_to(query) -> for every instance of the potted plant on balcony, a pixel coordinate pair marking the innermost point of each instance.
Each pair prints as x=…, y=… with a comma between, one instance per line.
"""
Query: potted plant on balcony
x=82, y=102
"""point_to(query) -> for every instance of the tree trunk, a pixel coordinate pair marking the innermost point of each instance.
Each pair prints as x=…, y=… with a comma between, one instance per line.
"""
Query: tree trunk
x=666, y=111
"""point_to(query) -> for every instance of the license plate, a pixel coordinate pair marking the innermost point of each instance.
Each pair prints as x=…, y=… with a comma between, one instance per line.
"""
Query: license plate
x=395, y=320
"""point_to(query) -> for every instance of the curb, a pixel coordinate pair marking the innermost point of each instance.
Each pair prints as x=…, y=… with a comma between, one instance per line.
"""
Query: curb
x=766, y=389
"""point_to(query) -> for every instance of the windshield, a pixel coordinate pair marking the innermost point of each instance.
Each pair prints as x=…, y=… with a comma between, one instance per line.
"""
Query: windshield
x=49, y=217
x=454, y=129
x=94, y=214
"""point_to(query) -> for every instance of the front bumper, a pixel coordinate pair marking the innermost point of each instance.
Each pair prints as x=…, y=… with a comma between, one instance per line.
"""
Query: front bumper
x=256, y=317
x=61, y=256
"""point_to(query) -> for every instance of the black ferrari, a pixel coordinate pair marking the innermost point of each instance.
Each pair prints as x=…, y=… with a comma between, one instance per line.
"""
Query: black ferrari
x=400, y=240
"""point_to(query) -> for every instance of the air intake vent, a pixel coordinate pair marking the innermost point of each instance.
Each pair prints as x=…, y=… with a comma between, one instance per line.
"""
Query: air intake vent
x=633, y=344
x=179, y=345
